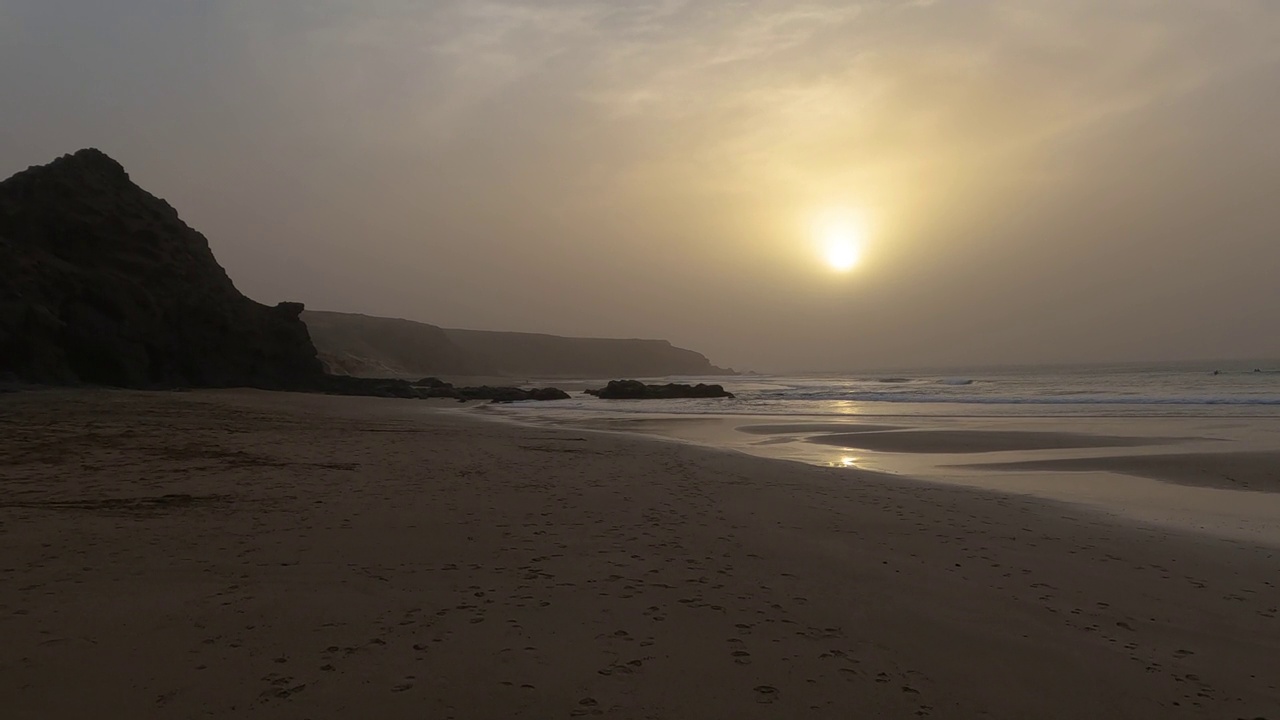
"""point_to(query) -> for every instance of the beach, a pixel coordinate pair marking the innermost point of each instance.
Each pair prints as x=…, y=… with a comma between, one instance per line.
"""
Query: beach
x=233, y=553
x=1200, y=469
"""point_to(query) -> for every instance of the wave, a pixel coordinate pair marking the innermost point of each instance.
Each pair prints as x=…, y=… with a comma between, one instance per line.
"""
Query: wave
x=992, y=393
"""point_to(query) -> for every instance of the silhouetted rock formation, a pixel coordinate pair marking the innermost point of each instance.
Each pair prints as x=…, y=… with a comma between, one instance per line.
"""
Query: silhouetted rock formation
x=435, y=388
x=511, y=394
x=636, y=390
x=369, y=387
x=430, y=388
x=9, y=382
x=364, y=345
x=548, y=393
x=101, y=282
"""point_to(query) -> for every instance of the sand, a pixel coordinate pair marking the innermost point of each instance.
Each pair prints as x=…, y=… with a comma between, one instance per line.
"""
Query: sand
x=975, y=441
x=811, y=428
x=1253, y=471
x=233, y=554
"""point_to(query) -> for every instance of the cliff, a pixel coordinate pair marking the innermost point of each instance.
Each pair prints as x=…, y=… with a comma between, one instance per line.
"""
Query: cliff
x=102, y=282
x=364, y=345
x=517, y=353
x=369, y=346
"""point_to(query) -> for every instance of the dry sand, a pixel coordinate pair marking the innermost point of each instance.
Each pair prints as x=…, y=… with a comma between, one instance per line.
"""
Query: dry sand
x=268, y=555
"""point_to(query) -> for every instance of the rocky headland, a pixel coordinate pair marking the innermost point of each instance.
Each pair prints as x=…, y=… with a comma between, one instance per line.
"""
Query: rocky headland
x=374, y=346
x=102, y=283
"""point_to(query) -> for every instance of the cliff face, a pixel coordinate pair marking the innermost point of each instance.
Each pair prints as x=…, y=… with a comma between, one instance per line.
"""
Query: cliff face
x=372, y=346
x=514, y=353
x=368, y=346
x=101, y=282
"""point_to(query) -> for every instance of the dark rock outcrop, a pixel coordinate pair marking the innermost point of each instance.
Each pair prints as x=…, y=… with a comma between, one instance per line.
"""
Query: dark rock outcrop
x=548, y=393
x=510, y=394
x=428, y=388
x=368, y=387
x=364, y=345
x=102, y=283
x=636, y=390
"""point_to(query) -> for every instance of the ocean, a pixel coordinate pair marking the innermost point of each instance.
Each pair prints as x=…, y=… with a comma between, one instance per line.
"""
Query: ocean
x=1194, y=446
x=1191, y=389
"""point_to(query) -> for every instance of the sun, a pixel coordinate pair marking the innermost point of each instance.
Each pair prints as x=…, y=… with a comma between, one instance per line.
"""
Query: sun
x=841, y=254
x=841, y=236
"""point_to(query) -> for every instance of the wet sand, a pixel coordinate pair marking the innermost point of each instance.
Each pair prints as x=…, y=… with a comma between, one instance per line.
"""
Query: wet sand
x=1253, y=471
x=1071, y=459
x=975, y=441
x=812, y=428
x=238, y=553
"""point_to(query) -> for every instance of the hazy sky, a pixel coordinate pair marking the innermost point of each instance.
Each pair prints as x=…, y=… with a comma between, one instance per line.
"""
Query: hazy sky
x=1039, y=180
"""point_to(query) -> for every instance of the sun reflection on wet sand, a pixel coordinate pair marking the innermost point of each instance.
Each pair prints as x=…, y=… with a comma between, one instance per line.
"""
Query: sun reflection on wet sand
x=1224, y=512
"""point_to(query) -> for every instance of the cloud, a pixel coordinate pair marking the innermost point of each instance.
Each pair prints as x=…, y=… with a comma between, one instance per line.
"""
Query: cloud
x=764, y=75
x=411, y=152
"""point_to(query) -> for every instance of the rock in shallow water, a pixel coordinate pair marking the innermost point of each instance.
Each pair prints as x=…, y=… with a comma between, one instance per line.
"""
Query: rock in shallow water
x=433, y=388
x=636, y=390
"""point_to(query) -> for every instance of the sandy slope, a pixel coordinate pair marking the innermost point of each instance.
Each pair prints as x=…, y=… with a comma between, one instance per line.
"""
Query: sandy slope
x=211, y=554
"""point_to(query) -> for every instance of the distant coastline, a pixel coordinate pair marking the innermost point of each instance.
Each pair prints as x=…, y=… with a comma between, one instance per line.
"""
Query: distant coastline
x=108, y=286
x=372, y=346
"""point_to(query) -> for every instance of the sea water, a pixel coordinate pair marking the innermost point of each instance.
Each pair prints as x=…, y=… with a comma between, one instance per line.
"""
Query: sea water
x=1228, y=388
x=1183, y=408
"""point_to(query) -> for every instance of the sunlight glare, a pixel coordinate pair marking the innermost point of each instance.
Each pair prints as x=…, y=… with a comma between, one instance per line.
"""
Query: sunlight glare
x=841, y=235
x=841, y=254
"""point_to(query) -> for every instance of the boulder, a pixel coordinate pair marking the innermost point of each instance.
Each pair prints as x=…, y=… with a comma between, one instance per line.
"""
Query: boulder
x=494, y=394
x=549, y=393
x=369, y=387
x=441, y=391
x=512, y=394
x=636, y=390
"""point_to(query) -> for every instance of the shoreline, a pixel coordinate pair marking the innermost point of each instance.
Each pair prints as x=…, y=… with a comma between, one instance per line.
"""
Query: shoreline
x=1063, y=460
x=1243, y=471
x=289, y=555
